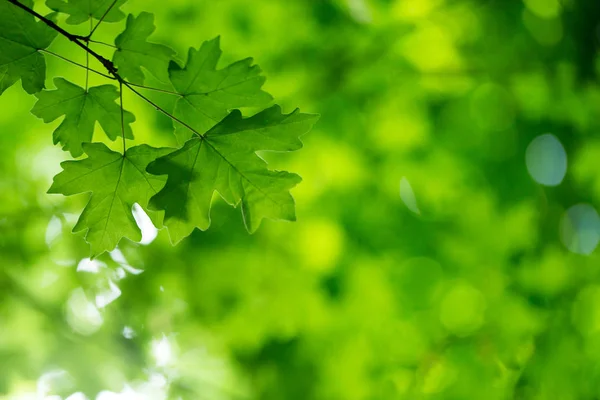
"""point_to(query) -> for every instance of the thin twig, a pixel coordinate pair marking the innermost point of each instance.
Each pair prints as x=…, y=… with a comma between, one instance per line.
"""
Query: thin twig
x=73, y=38
x=162, y=110
x=76, y=63
x=200, y=136
x=110, y=67
x=101, y=19
x=122, y=116
x=155, y=89
x=102, y=43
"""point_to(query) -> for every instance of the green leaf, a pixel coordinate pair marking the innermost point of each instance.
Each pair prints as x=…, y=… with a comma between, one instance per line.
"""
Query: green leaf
x=21, y=38
x=134, y=51
x=81, y=10
x=82, y=109
x=209, y=94
x=225, y=160
x=116, y=183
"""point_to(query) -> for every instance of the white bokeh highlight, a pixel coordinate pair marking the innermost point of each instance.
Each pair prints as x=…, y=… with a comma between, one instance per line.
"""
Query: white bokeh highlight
x=149, y=231
x=580, y=229
x=546, y=160
x=408, y=196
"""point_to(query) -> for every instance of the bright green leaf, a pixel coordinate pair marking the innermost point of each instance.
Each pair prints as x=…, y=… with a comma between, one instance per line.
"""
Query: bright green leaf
x=209, y=94
x=81, y=10
x=21, y=38
x=81, y=110
x=225, y=160
x=134, y=51
x=116, y=183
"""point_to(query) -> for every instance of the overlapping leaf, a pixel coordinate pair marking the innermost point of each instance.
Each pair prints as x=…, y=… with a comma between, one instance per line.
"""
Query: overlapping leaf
x=80, y=11
x=180, y=184
x=116, y=183
x=134, y=51
x=82, y=109
x=225, y=160
x=21, y=38
x=209, y=94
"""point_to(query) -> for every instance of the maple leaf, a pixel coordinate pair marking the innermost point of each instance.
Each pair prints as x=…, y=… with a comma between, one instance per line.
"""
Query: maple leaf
x=225, y=160
x=82, y=10
x=116, y=181
x=82, y=109
x=209, y=94
x=134, y=51
x=21, y=38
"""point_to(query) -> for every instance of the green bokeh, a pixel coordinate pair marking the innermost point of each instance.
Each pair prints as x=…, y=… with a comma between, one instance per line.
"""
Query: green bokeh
x=468, y=291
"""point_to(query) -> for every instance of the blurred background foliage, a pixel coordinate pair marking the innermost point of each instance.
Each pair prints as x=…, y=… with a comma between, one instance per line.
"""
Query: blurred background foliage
x=446, y=228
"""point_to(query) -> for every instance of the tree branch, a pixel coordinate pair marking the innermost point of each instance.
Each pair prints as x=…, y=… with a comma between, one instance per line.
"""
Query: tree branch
x=78, y=40
x=82, y=41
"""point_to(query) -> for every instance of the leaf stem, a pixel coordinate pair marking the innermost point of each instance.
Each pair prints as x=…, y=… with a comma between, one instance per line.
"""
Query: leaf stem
x=159, y=108
x=101, y=19
x=102, y=43
x=156, y=89
x=82, y=42
x=122, y=116
x=78, y=40
x=76, y=63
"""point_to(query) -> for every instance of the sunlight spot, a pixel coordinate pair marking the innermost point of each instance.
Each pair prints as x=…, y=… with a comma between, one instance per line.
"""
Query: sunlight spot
x=52, y=382
x=119, y=274
x=24, y=396
x=43, y=163
x=65, y=262
x=415, y=9
x=71, y=218
x=321, y=243
x=430, y=47
x=53, y=230
x=155, y=388
x=408, y=196
x=77, y=396
x=128, y=332
x=106, y=297
x=580, y=229
x=118, y=257
x=82, y=315
x=131, y=270
x=359, y=10
x=48, y=278
x=126, y=394
x=89, y=265
x=162, y=351
x=162, y=289
x=546, y=160
x=149, y=231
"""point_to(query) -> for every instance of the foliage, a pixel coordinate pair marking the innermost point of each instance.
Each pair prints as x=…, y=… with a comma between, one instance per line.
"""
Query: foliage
x=117, y=181
x=22, y=38
x=81, y=109
x=437, y=253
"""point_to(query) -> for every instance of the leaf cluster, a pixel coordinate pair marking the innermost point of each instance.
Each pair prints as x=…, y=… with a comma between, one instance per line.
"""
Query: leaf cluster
x=217, y=146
